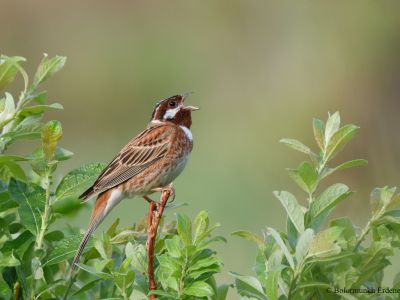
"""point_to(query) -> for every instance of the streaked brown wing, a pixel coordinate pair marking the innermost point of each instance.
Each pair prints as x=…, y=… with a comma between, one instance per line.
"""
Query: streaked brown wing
x=140, y=153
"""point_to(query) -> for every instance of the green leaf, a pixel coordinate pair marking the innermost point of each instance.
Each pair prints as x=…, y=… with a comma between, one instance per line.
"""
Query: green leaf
x=340, y=139
x=76, y=181
x=31, y=200
x=343, y=166
x=184, y=228
x=204, y=263
x=111, y=231
x=38, y=109
x=6, y=202
x=6, y=158
x=139, y=256
x=282, y=245
x=381, y=198
x=271, y=287
x=20, y=244
x=123, y=280
x=352, y=163
x=199, y=289
x=39, y=98
x=296, y=145
x=396, y=281
x=250, y=237
x=47, y=68
x=319, y=128
x=14, y=227
x=98, y=245
x=329, y=199
x=304, y=244
x=124, y=236
x=173, y=246
x=305, y=176
x=51, y=134
x=248, y=286
x=89, y=286
x=54, y=236
x=222, y=291
x=28, y=128
x=62, y=154
x=311, y=285
x=94, y=271
x=7, y=113
x=8, y=69
x=9, y=260
x=324, y=243
x=10, y=170
x=64, y=250
x=332, y=126
x=66, y=205
x=292, y=208
x=291, y=233
x=348, y=232
x=200, y=226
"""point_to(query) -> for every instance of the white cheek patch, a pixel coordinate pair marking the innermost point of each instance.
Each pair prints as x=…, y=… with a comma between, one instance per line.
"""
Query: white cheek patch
x=187, y=132
x=171, y=113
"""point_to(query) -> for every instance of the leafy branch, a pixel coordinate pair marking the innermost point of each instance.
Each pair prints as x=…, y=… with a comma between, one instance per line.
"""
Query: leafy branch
x=304, y=261
x=36, y=242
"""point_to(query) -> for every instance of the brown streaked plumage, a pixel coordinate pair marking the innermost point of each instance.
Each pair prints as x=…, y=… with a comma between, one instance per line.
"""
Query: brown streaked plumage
x=148, y=163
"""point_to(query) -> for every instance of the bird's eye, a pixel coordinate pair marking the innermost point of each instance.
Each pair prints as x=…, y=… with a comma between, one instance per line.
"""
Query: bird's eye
x=172, y=104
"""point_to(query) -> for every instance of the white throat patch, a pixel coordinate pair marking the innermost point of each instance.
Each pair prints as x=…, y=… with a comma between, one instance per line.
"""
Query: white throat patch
x=187, y=132
x=171, y=113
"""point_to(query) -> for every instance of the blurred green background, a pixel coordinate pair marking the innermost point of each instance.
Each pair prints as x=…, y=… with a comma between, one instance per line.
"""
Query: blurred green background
x=260, y=71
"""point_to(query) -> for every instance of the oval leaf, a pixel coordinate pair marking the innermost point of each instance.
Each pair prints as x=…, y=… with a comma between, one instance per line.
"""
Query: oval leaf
x=292, y=208
x=78, y=180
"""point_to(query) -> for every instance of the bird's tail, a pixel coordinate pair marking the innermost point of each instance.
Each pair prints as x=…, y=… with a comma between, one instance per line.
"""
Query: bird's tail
x=98, y=214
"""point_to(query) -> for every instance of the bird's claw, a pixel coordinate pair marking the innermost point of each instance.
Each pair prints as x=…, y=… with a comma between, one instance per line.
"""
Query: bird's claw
x=170, y=189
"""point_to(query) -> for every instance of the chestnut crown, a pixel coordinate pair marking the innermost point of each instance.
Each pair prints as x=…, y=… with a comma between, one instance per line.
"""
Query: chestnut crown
x=174, y=110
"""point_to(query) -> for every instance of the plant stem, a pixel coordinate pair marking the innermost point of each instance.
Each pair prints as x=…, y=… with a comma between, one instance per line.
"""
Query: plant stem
x=17, y=290
x=296, y=274
x=183, y=275
x=70, y=284
x=367, y=227
x=156, y=211
x=150, y=247
x=46, y=214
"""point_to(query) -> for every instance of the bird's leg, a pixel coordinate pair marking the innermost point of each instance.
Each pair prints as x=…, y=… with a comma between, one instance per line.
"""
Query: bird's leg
x=169, y=189
x=148, y=199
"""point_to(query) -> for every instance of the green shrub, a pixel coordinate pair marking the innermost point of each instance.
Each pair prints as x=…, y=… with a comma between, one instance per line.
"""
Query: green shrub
x=307, y=261
x=35, y=255
x=311, y=258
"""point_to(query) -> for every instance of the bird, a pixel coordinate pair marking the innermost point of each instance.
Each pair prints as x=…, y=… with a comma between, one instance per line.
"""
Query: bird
x=149, y=163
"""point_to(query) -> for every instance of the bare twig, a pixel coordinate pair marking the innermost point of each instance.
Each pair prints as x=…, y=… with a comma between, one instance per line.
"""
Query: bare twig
x=156, y=211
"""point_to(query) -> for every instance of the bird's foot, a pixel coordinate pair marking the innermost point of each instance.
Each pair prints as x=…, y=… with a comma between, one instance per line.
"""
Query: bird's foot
x=168, y=189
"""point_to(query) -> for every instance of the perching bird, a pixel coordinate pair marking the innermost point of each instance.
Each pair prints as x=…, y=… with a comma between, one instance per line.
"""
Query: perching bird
x=147, y=164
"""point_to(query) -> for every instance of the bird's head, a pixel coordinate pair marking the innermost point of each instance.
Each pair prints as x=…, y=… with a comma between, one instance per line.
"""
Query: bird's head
x=173, y=109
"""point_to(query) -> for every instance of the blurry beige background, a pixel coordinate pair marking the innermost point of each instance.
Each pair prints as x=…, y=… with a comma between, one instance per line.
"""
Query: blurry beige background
x=260, y=71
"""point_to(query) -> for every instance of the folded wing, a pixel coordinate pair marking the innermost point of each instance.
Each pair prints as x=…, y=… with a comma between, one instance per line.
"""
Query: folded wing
x=144, y=150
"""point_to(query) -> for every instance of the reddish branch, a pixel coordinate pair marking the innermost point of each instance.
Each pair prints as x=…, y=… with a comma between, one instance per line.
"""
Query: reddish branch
x=156, y=211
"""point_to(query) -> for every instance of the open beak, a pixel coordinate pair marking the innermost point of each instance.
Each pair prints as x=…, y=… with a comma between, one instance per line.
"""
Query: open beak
x=189, y=107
